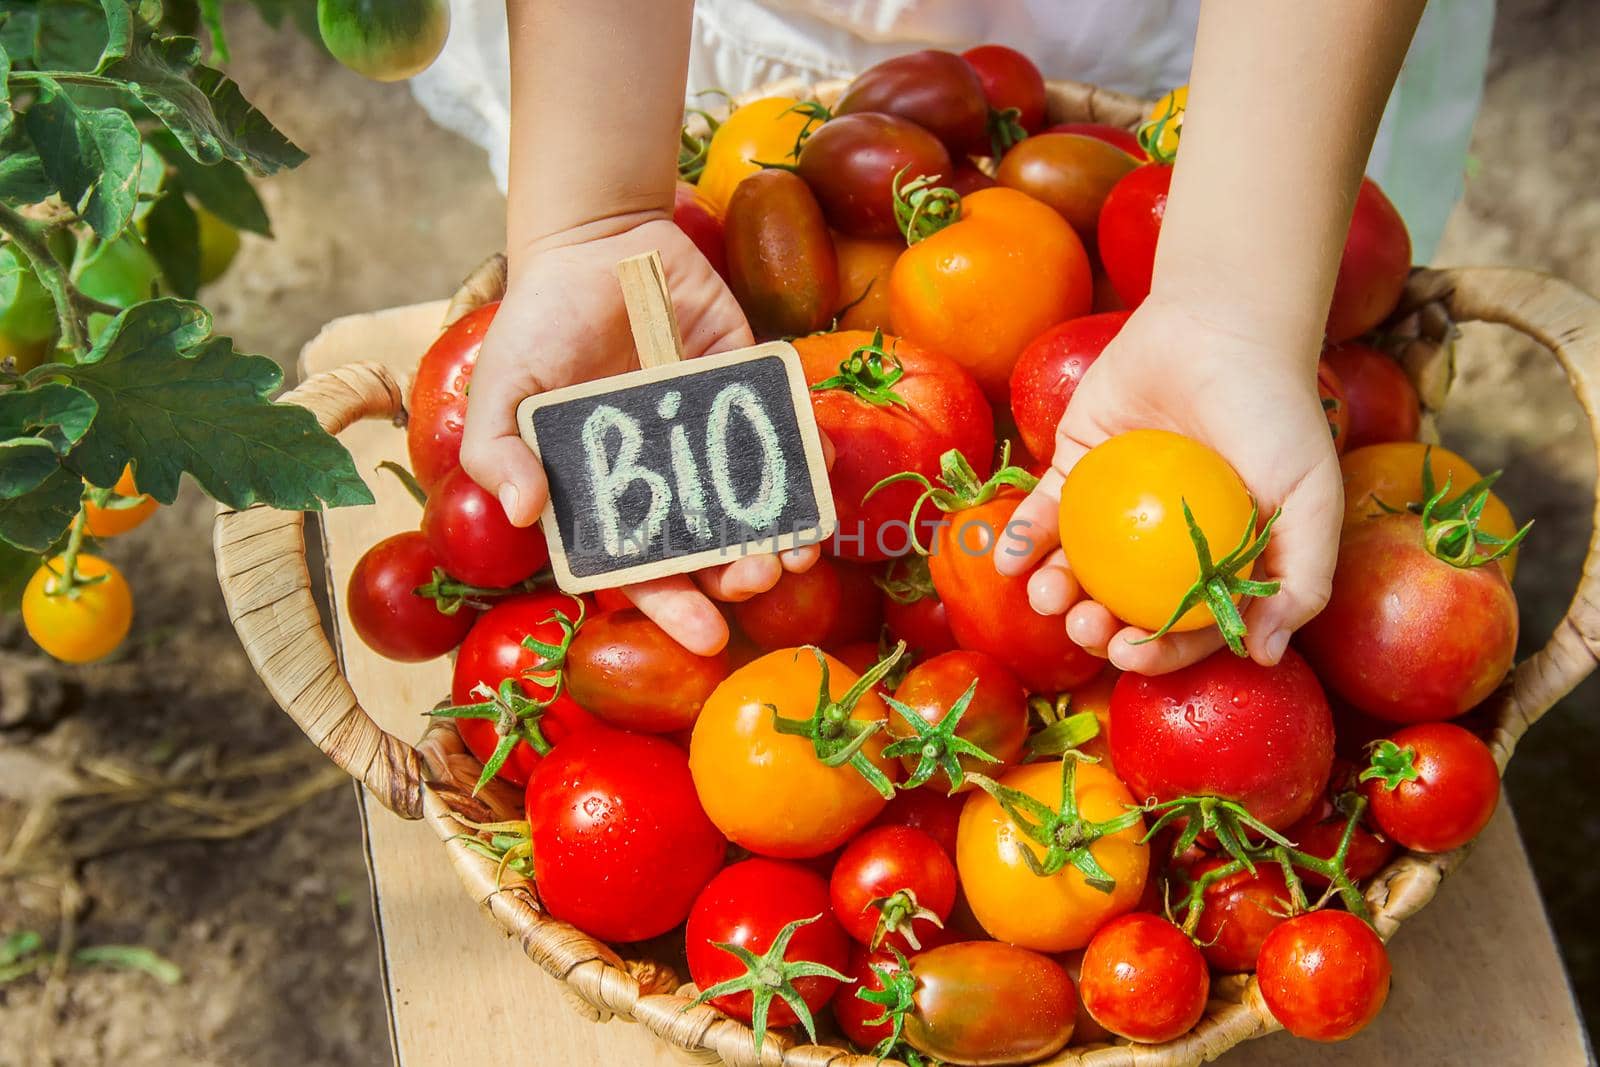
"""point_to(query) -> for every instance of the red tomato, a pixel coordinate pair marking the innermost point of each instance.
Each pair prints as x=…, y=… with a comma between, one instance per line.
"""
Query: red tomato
x=748, y=904
x=781, y=264
x=437, y=412
x=1407, y=637
x=700, y=221
x=888, y=405
x=386, y=611
x=922, y=624
x=1130, y=222
x=995, y=718
x=1126, y=140
x=1382, y=401
x=1319, y=833
x=1324, y=975
x=621, y=847
x=1226, y=727
x=833, y=603
x=1433, y=787
x=936, y=90
x=967, y=179
x=934, y=813
x=855, y=1015
x=1143, y=979
x=626, y=670
x=1372, y=268
x=468, y=530
x=852, y=162
x=1009, y=80
x=611, y=600
x=1335, y=405
x=1048, y=372
x=987, y=1002
x=1238, y=911
x=893, y=887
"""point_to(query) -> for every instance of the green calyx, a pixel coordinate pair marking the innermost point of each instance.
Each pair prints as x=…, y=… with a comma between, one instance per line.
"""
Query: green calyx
x=923, y=207
x=1450, y=524
x=960, y=487
x=837, y=737
x=1064, y=735
x=509, y=845
x=1064, y=832
x=897, y=914
x=1005, y=130
x=450, y=595
x=869, y=373
x=692, y=147
x=936, y=745
x=771, y=975
x=1151, y=133
x=815, y=115
x=1219, y=581
x=906, y=580
x=897, y=998
x=1391, y=765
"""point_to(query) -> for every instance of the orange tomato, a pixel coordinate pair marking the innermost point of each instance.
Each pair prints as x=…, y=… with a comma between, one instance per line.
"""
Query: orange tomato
x=768, y=791
x=1095, y=696
x=85, y=624
x=134, y=507
x=1061, y=911
x=765, y=130
x=864, y=267
x=982, y=287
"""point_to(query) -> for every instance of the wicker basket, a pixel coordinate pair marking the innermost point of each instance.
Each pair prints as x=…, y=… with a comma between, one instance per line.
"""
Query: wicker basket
x=261, y=562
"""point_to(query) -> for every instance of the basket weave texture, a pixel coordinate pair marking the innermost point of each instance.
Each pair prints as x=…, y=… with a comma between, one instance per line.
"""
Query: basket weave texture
x=261, y=564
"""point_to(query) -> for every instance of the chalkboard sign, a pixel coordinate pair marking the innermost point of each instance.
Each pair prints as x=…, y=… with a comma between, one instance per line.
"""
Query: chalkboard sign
x=680, y=465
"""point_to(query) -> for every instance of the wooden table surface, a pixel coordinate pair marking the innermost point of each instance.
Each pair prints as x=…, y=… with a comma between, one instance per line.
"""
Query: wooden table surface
x=1477, y=977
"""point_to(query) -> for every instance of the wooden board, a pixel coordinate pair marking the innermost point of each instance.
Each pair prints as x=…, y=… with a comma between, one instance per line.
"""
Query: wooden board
x=1477, y=976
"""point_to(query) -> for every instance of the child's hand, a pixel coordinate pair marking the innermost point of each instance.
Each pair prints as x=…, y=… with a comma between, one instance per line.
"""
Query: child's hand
x=1170, y=368
x=563, y=321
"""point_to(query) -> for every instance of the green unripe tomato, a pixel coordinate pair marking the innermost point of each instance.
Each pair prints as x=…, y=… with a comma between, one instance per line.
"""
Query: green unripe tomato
x=29, y=316
x=387, y=40
x=219, y=243
x=119, y=272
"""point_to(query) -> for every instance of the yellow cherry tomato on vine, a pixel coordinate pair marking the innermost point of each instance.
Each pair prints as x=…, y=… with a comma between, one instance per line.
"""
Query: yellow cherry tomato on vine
x=769, y=790
x=766, y=130
x=1059, y=911
x=1170, y=108
x=85, y=623
x=105, y=522
x=1123, y=529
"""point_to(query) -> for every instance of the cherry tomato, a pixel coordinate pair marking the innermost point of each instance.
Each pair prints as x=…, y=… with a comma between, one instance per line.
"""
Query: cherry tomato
x=781, y=264
x=385, y=609
x=1433, y=788
x=1010, y=80
x=1169, y=110
x=1226, y=727
x=1383, y=402
x=82, y=624
x=1238, y=911
x=854, y=1015
x=1060, y=911
x=700, y=221
x=621, y=848
x=766, y=130
x=1335, y=405
x=864, y=267
x=1130, y=222
x=1070, y=172
x=991, y=613
x=936, y=90
x=922, y=623
x=1319, y=832
x=627, y=671
x=748, y=904
x=984, y=1002
x=888, y=406
x=1048, y=372
x=1407, y=637
x=981, y=288
x=1373, y=267
x=1143, y=979
x=437, y=413
x=1117, y=136
x=1124, y=532
x=995, y=719
x=611, y=600
x=769, y=791
x=1324, y=975
x=934, y=813
x=1094, y=696
x=133, y=509
x=893, y=886
x=833, y=603
x=474, y=541
x=852, y=162
x=387, y=41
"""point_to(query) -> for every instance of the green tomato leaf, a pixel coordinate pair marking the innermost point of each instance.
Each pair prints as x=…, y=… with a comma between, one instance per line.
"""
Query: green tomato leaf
x=56, y=415
x=152, y=177
x=172, y=234
x=202, y=107
x=173, y=399
x=19, y=19
x=119, y=32
x=91, y=156
x=221, y=188
x=211, y=13
x=35, y=521
x=25, y=463
x=22, y=176
x=6, y=113
x=16, y=567
x=70, y=35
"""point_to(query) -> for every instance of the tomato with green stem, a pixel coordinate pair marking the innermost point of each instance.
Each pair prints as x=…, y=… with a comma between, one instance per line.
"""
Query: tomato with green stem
x=386, y=40
x=1048, y=372
x=1335, y=405
x=893, y=886
x=957, y=712
x=468, y=530
x=629, y=672
x=1324, y=975
x=81, y=620
x=1383, y=404
x=1014, y=89
x=388, y=613
x=1322, y=828
x=864, y=1022
x=113, y=512
x=1143, y=979
x=912, y=611
x=781, y=263
x=1238, y=909
x=851, y=162
x=436, y=415
x=938, y=91
x=1433, y=787
x=769, y=130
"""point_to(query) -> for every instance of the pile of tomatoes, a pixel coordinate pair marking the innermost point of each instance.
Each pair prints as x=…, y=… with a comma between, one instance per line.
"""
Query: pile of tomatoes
x=899, y=796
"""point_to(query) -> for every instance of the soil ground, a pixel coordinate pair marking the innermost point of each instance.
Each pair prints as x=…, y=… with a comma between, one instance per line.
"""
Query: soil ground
x=273, y=930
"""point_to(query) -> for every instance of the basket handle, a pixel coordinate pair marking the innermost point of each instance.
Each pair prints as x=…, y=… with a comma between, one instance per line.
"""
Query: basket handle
x=1566, y=320
x=261, y=566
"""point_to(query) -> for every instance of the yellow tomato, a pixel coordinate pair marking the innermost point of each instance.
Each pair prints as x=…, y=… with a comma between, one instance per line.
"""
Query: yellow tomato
x=769, y=791
x=1123, y=530
x=1169, y=107
x=85, y=624
x=1061, y=911
x=109, y=522
x=764, y=130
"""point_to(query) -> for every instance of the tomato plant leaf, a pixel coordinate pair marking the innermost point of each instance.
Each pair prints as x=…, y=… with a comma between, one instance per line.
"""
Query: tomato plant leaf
x=25, y=463
x=92, y=156
x=57, y=415
x=119, y=32
x=22, y=176
x=6, y=112
x=172, y=233
x=221, y=188
x=202, y=107
x=35, y=521
x=174, y=398
x=69, y=35
x=18, y=21
x=211, y=15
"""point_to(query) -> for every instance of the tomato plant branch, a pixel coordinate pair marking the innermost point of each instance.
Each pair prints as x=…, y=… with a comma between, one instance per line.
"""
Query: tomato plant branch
x=71, y=306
